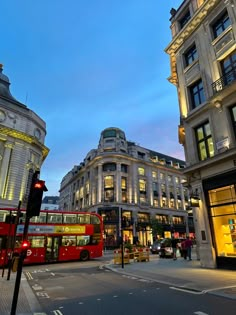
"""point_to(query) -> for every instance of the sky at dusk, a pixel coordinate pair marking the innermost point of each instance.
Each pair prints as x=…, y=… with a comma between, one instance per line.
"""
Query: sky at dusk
x=86, y=65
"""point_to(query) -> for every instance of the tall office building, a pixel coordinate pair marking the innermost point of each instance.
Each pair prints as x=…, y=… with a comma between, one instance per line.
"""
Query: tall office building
x=125, y=182
x=203, y=68
x=22, y=149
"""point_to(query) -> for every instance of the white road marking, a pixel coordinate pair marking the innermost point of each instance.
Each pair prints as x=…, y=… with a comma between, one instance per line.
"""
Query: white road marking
x=57, y=312
x=130, y=293
x=43, y=295
x=81, y=303
x=98, y=299
x=53, y=274
x=28, y=274
x=200, y=313
x=115, y=296
x=37, y=287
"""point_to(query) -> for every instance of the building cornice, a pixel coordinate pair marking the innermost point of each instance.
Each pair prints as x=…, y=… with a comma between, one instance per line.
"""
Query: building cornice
x=190, y=27
x=24, y=137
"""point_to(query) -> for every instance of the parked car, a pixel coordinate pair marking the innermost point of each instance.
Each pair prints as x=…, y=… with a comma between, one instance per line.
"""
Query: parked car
x=155, y=247
x=166, y=249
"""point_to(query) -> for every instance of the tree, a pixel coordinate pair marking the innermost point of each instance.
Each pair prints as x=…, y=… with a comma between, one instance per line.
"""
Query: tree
x=156, y=227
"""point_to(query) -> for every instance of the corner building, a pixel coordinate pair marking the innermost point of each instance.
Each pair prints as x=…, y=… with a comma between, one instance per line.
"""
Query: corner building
x=125, y=182
x=22, y=149
x=203, y=68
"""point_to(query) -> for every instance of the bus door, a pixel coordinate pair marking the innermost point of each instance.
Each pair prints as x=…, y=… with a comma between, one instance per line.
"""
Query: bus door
x=52, y=248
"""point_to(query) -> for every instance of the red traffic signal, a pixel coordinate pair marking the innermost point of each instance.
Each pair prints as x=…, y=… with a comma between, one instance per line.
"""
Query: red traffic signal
x=25, y=244
x=35, y=197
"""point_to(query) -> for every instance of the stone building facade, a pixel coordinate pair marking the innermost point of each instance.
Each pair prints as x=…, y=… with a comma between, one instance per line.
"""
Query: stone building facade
x=22, y=149
x=203, y=68
x=127, y=183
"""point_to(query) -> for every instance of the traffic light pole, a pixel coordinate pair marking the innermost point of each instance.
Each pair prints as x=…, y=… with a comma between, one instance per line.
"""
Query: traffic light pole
x=122, y=249
x=19, y=269
x=17, y=284
x=14, y=239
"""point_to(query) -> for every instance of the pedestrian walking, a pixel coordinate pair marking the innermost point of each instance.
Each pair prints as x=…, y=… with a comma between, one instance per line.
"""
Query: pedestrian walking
x=188, y=246
x=184, y=249
x=174, y=245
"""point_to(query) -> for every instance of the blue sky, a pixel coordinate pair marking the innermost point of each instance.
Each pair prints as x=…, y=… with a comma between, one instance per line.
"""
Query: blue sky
x=86, y=65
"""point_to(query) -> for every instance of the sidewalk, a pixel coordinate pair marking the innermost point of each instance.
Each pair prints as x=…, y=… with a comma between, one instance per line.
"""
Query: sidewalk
x=27, y=302
x=183, y=275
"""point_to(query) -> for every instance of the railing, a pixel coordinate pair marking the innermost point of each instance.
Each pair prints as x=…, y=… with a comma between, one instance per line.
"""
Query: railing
x=223, y=81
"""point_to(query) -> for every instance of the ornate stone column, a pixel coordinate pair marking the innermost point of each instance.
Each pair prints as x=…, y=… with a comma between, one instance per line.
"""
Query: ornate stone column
x=100, y=177
x=118, y=182
x=5, y=168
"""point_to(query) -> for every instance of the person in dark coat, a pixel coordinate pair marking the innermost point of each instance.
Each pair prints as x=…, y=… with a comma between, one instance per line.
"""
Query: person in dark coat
x=174, y=246
x=189, y=245
x=184, y=249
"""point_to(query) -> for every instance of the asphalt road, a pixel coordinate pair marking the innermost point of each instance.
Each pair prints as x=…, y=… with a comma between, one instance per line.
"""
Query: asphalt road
x=87, y=289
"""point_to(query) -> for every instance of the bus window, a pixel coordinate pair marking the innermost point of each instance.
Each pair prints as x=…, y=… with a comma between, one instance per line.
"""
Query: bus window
x=42, y=217
x=84, y=218
x=95, y=219
x=83, y=240
x=69, y=218
x=39, y=219
x=68, y=240
x=3, y=215
x=37, y=241
x=54, y=218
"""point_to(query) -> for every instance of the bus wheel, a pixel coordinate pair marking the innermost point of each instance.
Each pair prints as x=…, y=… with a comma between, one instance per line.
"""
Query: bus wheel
x=84, y=255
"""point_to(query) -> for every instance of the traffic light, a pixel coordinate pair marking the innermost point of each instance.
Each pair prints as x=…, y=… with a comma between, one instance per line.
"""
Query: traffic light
x=25, y=245
x=35, y=197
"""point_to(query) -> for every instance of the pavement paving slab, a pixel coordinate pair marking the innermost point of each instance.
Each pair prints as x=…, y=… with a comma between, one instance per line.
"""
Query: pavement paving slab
x=27, y=303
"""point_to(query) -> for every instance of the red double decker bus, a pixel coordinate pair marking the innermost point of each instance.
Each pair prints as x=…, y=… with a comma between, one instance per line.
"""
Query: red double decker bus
x=54, y=236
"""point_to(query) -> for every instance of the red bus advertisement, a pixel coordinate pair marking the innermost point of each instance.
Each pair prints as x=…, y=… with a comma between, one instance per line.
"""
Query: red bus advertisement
x=54, y=236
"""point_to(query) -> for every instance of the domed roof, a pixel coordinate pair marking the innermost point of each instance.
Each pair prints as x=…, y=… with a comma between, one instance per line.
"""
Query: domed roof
x=113, y=132
x=4, y=86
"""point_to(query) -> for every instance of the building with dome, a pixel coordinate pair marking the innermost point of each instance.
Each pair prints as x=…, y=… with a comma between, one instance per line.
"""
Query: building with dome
x=129, y=186
x=22, y=149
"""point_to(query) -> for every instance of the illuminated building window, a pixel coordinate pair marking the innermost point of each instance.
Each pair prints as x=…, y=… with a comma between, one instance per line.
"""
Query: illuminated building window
x=162, y=176
x=141, y=171
x=124, y=189
x=154, y=174
x=123, y=183
x=142, y=186
x=204, y=141
x=108, y=182
x=221, y=24
x=108, y=188
x=155, y=202
x=162, y=218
